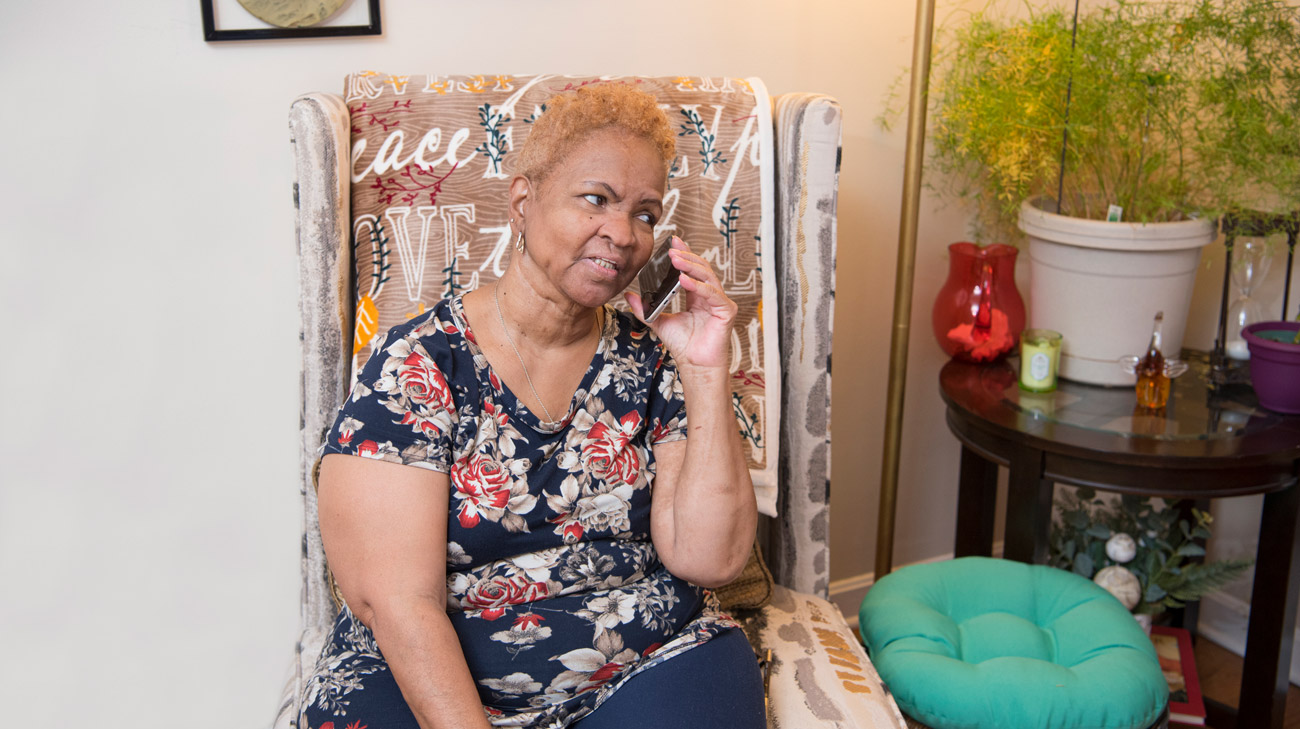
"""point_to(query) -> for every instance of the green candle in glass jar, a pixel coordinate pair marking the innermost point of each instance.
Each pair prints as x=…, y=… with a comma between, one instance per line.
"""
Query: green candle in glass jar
x=1040, y=356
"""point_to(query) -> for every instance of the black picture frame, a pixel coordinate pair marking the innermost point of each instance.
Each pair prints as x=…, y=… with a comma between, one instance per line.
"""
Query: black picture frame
x=212, y=33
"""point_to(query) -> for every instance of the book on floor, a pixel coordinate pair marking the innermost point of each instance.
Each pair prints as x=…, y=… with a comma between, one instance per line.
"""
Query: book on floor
x=1178, y=663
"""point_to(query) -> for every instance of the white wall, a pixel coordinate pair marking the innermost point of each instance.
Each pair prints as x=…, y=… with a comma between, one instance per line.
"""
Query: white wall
x=148, y=382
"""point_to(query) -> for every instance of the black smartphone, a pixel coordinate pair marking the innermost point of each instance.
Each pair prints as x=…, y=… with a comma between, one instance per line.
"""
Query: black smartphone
x=659, y=281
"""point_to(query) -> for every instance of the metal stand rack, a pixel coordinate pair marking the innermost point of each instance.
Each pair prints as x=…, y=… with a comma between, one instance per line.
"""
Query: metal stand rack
x=1225, y=371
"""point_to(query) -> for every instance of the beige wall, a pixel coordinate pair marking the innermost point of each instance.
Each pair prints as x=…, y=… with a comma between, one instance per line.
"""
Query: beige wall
x=148, y=386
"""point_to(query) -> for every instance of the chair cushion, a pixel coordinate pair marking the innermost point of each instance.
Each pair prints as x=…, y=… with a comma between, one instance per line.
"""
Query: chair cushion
x=978, y=643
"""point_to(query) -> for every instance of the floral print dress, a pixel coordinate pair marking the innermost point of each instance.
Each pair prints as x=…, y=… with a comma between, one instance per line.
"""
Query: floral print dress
x=553, y=585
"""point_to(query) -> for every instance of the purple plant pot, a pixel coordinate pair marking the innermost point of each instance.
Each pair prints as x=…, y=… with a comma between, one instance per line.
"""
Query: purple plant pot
x=1274, y=366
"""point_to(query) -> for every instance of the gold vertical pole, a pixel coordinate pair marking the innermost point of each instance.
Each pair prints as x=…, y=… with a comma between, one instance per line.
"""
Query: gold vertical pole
x=904, y=272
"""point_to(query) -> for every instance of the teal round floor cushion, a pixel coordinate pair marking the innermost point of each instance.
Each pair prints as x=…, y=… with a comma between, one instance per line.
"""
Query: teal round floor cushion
x=978, y=643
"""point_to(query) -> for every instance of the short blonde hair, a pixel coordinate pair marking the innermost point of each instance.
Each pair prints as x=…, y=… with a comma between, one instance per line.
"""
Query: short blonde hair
x=572, y=116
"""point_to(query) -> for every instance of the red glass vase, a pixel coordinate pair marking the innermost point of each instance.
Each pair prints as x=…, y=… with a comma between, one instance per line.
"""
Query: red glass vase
x=978, y=315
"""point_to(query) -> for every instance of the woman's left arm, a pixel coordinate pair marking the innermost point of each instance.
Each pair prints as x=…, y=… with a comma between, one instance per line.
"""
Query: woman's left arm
x=703, y=513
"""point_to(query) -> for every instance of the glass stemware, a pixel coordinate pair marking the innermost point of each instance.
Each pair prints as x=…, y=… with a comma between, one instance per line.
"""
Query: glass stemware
x=1250, y=263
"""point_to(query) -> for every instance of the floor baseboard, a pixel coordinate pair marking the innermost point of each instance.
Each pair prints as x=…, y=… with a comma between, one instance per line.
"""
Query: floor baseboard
x=1224, y=619
x=847, y=594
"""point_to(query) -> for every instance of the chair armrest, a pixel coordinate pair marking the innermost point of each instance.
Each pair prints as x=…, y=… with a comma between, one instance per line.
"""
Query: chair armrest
x=321, y=188
x=807, y=178
x=819, y=674
x=320, y=133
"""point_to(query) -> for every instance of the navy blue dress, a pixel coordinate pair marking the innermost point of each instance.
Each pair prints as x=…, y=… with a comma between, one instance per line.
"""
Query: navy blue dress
x=553, y=585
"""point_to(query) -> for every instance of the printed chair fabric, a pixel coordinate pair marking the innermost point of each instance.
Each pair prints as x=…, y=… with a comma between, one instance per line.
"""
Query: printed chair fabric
x=819, y=675
x=807, y=180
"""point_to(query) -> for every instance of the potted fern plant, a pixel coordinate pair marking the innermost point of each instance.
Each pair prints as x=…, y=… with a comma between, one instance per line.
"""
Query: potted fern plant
x=1114, y=149
x=1149, y=558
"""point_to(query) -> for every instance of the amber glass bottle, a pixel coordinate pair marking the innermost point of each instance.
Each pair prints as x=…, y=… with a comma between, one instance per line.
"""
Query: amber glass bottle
x=1152, y=382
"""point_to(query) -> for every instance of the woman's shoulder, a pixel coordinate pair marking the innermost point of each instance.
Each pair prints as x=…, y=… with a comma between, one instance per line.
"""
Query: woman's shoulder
x=439, y=332
x=438, y=321
x=437, y=337
x=634, y=338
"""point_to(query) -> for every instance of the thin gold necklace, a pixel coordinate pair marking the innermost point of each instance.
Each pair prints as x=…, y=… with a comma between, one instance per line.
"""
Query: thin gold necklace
x=496, y=296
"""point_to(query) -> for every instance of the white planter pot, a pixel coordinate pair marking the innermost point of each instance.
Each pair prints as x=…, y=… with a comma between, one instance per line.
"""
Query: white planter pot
x=1100, y=285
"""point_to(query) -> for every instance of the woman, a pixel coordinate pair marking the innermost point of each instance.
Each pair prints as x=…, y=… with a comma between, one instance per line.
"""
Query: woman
x=519, y=522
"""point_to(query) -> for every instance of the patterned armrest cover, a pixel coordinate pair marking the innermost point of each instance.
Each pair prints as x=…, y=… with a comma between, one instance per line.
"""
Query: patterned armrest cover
x=818, y=674
x=807, y=142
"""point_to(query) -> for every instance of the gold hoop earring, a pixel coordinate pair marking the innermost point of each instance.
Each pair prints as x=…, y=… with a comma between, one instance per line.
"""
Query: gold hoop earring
x=519, y=242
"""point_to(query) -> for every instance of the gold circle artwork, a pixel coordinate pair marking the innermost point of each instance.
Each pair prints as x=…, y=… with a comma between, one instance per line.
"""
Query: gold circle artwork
x=292, y=13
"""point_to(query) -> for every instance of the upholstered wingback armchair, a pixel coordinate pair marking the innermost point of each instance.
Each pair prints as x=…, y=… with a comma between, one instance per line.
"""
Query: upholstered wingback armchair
x=755, y=186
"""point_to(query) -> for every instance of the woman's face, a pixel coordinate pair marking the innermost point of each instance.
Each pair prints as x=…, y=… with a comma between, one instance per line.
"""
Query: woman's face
x=590, y=224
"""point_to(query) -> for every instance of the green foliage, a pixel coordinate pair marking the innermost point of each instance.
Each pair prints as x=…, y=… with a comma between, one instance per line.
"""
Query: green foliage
x=379, y=251
x=495, y=146
x=1248, y=76
x=727, y=223
x=1165, y=544
x=1175, y=109
x=451, y=285
x=709, y=155
x=748, y=423
x=537, y=114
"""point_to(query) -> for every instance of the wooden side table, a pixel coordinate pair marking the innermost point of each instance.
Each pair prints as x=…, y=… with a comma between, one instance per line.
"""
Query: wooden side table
x=1206, y=445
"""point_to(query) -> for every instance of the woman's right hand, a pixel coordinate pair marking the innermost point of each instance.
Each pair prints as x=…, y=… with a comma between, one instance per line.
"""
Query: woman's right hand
x=384, y=528
x=699, y=336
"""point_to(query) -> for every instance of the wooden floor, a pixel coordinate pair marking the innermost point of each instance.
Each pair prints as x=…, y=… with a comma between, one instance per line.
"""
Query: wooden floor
x=1220, y=673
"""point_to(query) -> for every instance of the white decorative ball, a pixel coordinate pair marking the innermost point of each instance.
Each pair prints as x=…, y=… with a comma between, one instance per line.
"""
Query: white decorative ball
x=1121, y=583
x=1121, y=547
x=1145, y=620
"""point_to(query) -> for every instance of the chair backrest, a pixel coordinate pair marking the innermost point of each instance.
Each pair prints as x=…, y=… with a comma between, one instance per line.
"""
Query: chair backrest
x=798, y=298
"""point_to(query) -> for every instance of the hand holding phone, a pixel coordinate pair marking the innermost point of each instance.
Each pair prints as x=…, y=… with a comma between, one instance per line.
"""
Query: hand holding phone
x=659, y=281
x=699, y=333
